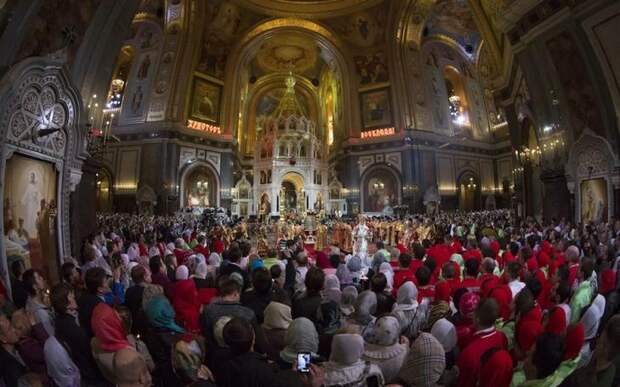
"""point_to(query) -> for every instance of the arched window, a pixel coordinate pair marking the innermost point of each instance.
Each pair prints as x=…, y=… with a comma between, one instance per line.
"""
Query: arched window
x=457, y=99
x=119, y=77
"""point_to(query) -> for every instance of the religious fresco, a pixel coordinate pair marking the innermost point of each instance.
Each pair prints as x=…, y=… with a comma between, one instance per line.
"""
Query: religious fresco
x=224, y=24
x=372, y=68
x=200, y=188
x=594, y=201
x=205, y=99
x=292, y=52
x=380, y=191
x=30, y=214
x=376, y=108
x=454, y=19
x=58, y=29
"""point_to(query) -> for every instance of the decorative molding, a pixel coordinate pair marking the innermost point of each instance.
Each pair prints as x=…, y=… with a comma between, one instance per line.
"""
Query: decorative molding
x=189, y=155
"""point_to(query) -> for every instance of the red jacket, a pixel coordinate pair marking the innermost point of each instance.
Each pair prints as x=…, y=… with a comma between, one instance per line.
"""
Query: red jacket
x=469, y=360
x=473, y=284
x=402, y=276
x=441, y=253
x=427, y=291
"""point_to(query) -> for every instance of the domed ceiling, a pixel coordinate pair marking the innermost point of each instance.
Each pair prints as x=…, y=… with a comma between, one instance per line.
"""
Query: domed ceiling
x=307, y=8
x=290, y=52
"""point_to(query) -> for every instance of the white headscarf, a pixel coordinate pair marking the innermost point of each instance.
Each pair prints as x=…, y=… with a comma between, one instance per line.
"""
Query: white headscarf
x=407, y=297
x=347, y=349
x=182, y=273
x=277, y=316
x=201, y=271
x=387, y=270
x=445, y=332
x=215, y=259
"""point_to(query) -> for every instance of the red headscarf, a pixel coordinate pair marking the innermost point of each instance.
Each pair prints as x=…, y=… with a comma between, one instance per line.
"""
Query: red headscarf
x=218, y=246
x=557, y=321
x=186, y=305
x=108, y=328
x=575, y=337
x=497, y=371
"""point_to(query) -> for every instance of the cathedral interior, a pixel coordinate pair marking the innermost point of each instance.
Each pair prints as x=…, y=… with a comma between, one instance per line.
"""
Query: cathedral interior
x=333, y=107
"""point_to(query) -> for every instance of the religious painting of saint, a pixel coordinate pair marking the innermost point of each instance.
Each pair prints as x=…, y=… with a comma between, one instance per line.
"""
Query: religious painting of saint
x=30, y=214
x=380, y=192
x=205, y=104
x=376, y=109
x=594, y=202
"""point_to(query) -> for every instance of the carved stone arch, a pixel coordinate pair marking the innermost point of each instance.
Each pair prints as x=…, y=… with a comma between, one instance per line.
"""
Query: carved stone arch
x=40, y=118
x=189, y=168
x=372, y=171
x=591, y=156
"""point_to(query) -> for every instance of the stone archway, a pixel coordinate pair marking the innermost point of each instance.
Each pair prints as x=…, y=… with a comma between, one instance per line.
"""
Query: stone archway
x=42, y=150
x=381, y=190
x=200, y=186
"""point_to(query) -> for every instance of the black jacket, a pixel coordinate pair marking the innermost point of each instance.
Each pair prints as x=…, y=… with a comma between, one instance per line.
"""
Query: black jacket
x=160, y=343
x=75, y=340
x=247, y=370
x=86, y=306
x=133, y=301
x=307, y=306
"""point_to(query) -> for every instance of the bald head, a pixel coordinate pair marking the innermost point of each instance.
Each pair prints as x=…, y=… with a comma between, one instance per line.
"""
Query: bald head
x=130, y=369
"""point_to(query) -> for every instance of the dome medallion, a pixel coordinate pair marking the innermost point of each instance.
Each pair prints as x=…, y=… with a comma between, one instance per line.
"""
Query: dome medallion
x=307, y=8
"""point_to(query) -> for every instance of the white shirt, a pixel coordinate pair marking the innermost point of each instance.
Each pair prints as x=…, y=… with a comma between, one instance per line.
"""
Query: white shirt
x=515, y=287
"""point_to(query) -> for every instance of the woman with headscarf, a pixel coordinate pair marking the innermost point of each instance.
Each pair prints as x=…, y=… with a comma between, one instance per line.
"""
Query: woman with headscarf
x=187, y=305
x=445, y=332
x=346, y=367
x=424, y=364
x=200, y=275
x=275, y=324
x=387, y=270
x=409, y=313
x=301, y=336
x=161, y=338
x=465, y=325
x=347, y=299
x=384, y=349
x=331, y=290
x=110, y=336
x=362, y=320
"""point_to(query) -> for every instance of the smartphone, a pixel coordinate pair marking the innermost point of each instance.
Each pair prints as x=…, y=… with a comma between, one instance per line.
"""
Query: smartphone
x=303, y=362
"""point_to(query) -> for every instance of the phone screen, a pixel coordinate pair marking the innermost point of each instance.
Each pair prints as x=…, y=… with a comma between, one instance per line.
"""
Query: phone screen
x=303, y=362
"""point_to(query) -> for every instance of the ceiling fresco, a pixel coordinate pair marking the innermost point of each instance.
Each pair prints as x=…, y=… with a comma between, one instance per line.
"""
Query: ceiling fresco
x=454, y=19
x=307, y=8
x=288, y=52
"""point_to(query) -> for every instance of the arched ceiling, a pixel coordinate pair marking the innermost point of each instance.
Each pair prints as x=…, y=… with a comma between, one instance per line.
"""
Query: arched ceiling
x=307, y=8
x=454, y=20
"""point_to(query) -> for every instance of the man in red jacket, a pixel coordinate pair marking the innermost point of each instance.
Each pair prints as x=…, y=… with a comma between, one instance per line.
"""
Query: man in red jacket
x=485, y=338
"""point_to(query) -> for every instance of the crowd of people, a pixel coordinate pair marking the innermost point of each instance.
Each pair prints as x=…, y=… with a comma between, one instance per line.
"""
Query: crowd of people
x=458, y=299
